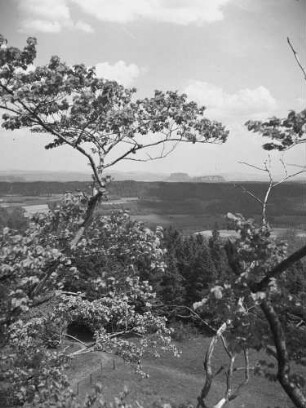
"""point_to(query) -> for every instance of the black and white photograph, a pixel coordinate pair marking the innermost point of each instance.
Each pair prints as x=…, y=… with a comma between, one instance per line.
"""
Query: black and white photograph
x=152, y=203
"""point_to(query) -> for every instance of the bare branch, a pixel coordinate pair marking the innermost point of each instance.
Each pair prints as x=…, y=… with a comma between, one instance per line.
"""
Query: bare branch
x=271, y=185
x=264, y=202
x=226, y=346
x=163, y=155
x=252, y=166
x=297, y=58
x=208, y=367
x=75, y=339
x=9, y=109
x=193, y=313
x=83, y=350
x=249, y=193
x=246, y=375
x=229, y=377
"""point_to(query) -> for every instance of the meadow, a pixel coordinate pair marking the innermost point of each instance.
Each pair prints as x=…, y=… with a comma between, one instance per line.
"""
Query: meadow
x=171, y=379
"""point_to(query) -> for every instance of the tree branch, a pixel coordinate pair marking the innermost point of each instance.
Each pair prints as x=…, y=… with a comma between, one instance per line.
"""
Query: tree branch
x=235, y=394
x=192, y=312
x=297, y=58
x=271, y=185
x=208, y=368
x=278, y=269
x=292, y=390
x=92, y=205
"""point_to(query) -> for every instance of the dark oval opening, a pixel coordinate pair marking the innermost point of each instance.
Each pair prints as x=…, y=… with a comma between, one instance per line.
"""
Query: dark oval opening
x=80, y=331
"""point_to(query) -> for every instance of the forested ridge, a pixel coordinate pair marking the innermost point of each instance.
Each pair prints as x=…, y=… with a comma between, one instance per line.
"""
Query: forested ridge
x=161, y=190
x=183, y=198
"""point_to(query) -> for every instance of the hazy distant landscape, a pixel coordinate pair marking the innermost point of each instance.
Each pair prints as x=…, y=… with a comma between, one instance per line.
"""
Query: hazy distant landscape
x=68, y=176
x=188, y=206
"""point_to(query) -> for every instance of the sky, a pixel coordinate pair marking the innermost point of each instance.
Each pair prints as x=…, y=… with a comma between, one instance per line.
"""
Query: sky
x=231, y=56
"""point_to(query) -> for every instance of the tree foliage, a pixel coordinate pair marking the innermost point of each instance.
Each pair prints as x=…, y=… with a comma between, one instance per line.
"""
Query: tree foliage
x=260, y=304
x=283, y=133
x=99, y=118
x=93, y=267
x=13, y=218
x=258, y=308
x=46, y=286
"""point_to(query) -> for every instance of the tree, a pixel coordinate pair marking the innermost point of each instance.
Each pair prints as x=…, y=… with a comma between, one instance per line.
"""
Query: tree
x=171, y=287
x=106, y=124
x=218, y=253
x=252, y=308
x=289, y=336
x=99, y=118
x=260, y=306
x=286, y=132
x=190, y=269
x=115, y=304
x=13, y=218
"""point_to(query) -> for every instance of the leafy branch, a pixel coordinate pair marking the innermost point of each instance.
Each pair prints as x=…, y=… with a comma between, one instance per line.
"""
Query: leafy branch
x=99, y=118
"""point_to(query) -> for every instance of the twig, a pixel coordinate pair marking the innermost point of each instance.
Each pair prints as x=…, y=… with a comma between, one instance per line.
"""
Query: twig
x=296, y=57
x=84, y=350
x=252, y=165
x=246, y=375
x=244, y=190
x=75, y=339
x=193, y=313
x=267, y=169
x=225, y=346
x=229, y=377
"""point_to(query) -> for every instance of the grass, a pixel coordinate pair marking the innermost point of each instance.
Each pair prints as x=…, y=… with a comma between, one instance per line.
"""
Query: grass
x=171, y=380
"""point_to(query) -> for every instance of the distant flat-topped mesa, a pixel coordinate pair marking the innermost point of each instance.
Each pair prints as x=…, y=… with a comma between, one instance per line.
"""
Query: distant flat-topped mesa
x=184, y=177
x=179, y=177
x=209, y=179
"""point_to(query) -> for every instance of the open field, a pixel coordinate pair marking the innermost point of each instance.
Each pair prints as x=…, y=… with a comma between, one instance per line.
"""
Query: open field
x=173, y=380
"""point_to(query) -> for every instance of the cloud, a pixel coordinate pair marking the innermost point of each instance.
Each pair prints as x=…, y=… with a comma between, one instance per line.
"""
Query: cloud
x=171, y=11
x=55, y=15
x=120, y=72
x=301, y=103
x=244, y=104
x=82, y=26
x=48, y=16
x=43, y=26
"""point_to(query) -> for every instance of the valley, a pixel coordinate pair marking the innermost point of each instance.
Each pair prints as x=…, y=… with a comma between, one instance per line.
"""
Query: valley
x=189, y=207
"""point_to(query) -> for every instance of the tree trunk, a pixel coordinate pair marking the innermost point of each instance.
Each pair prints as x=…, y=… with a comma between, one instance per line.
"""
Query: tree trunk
x=92, y=205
